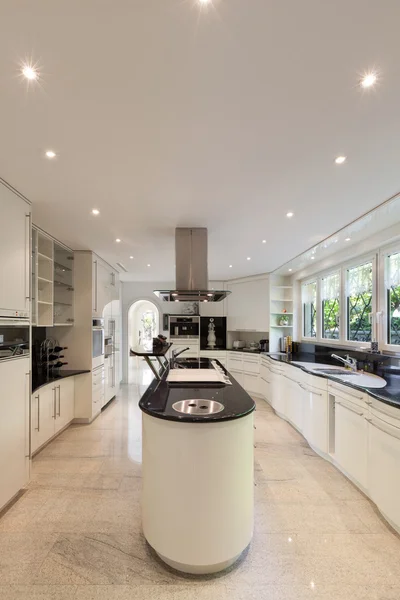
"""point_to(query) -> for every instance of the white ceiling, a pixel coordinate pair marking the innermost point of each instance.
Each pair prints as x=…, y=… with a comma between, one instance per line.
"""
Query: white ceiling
x=163, y=116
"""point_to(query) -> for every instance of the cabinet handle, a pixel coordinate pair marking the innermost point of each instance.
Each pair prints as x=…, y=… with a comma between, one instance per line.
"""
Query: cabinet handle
x=38, y=413
x=356, y=412
x=251, y=374
x=290, y=379
x=266, y=381
x=59, y=401
x=55, y=403
x=384, y=429
x=303, y=387
x=349, y=393
x=95, y=285
x=276, y=372
x=28, y=254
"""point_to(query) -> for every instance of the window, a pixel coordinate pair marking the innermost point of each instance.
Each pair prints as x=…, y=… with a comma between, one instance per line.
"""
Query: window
x=309, y=300
x=393, y=298
x=359, y=290
x=330, y=297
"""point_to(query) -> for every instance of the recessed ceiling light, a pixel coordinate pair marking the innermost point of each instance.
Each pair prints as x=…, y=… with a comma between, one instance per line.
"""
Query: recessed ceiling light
x=29, y=72
x=313, y=258
x=118, y=240
x=289, y=215
x=290, y=270
x=131, y=257
x=149, y=265
x=204, y=2
x=347, y=239
x=230, y=266
x=264, y=241
x=95, y=211
x=249, y=258
x=339, y=160
x=368, y=80
x=50, y=154
x=210, y=295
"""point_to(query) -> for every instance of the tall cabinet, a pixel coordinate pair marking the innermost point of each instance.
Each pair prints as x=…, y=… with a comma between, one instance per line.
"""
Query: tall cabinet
x=96, y=294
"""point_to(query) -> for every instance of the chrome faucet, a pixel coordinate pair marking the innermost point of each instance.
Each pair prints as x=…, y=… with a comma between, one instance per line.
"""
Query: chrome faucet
x=176, y=353
x=348, y=361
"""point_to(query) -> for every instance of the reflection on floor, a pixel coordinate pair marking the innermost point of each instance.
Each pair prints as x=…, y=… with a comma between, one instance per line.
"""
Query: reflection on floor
x=76, y=531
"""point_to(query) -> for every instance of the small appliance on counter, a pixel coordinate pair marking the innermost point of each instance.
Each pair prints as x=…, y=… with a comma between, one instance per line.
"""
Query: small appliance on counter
x=254, y=346
x=238, y=345
x=264, y=345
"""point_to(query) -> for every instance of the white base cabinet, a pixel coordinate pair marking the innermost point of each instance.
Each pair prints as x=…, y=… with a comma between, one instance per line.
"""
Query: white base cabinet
x=52, y=409
x=357, y=433
x=351, y=437
x=384, y=461
x=14, y=427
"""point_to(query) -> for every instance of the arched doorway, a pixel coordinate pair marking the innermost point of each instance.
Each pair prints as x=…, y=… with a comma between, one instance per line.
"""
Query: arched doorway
x=143, y=325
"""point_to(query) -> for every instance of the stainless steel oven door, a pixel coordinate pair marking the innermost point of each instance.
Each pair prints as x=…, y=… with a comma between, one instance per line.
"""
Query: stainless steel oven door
x=14, y=338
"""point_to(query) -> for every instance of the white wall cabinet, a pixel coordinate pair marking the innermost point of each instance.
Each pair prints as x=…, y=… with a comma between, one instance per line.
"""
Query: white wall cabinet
x=105, y=285
x=14, y=427
x=52, y=409
x=14, y=252
x=248, y=305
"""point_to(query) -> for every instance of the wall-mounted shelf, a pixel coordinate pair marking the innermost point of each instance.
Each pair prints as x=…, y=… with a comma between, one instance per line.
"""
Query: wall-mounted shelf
x=282, y=326
x=281, y=296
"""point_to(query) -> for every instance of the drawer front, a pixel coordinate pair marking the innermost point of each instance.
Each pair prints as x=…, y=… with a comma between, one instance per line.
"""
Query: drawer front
x=251, y=365
x=235, y=363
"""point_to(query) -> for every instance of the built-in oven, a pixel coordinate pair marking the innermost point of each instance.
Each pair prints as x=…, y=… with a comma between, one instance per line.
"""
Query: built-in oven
x=97, y=343
x=184, y=327
x=14, y=338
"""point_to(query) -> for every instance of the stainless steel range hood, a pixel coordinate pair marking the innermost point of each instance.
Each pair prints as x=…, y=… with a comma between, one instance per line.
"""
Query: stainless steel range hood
x=191, y=257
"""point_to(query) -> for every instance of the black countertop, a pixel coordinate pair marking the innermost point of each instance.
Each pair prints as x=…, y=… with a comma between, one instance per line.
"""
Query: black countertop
x=142, y=351
x=244, y=350
x=40, y=380
x=389, y=394
x=159, y=397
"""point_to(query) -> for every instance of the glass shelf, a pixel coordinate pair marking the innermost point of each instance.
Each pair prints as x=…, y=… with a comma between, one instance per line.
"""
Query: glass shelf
x=62, y=303
x=60, y=267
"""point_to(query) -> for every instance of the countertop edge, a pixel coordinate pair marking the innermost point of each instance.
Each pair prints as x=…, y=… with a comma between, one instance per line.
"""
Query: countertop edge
x=368, y=391
x=62, y=376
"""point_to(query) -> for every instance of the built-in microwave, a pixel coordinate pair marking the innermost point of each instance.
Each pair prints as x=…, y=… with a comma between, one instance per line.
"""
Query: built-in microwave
x=14, y=338
x=184, y=327
x=97, y=343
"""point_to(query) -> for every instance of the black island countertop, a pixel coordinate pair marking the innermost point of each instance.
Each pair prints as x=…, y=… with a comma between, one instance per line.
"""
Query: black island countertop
x=390, y=394
x=40, y=380
x=159, y=397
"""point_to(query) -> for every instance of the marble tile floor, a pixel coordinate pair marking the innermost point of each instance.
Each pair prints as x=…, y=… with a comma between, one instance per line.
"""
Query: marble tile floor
x=76, y=533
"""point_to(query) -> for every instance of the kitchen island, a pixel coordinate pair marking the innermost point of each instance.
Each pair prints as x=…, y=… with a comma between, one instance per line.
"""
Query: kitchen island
x=197, y=505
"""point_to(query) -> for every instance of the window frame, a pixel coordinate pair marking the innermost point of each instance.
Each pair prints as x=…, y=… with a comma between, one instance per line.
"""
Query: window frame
x=304, y=283
x=325, y=275
x=382, y=325
x=360, y=260
x=342, y=268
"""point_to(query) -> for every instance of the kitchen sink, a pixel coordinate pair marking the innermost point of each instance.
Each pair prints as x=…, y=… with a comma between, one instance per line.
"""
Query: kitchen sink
x=336, y=372
x=198, y=407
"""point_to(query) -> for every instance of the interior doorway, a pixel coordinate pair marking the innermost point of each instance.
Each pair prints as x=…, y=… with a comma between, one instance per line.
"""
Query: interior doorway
x=143, y=325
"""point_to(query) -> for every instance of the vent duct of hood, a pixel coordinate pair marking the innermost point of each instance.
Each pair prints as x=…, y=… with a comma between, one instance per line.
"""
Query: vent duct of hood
x=191, y=257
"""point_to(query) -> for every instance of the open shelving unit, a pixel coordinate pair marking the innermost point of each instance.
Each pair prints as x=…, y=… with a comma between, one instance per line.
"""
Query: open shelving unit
x=281, y=310
x=52, y=281
x=63, y=285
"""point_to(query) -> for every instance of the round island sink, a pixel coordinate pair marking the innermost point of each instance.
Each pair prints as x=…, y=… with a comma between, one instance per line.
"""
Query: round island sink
x=198, y=407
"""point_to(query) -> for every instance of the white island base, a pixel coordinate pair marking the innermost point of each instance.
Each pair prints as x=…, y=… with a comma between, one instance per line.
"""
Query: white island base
x=198, y=493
